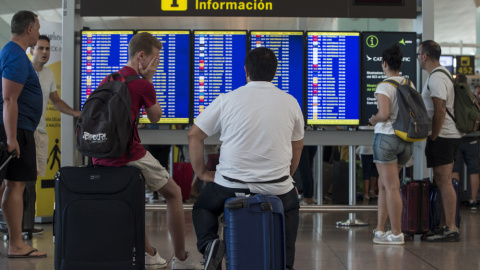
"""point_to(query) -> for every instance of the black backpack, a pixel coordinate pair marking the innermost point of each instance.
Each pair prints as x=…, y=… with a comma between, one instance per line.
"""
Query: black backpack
x=104, y=129
x=466, y=107
x=412, y=124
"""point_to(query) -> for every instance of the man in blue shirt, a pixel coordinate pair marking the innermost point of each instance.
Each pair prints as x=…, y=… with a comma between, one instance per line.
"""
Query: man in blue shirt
x=21, y=109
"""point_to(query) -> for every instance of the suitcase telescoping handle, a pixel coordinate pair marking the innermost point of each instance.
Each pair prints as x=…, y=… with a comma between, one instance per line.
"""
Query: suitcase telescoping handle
x=243, y=203
x=11, y=155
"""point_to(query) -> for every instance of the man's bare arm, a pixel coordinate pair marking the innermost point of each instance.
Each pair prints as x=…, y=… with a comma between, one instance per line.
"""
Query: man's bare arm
x=11, y=91
x=297, y=148
x=439, y=113
x=195, y=148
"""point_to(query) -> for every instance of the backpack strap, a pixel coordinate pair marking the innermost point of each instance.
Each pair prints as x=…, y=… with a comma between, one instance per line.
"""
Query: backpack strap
x=130, y=78
x=127, y=79
x=453, y=82
x=408, y=82
x=395, y=83
x=444, y=72
x=392, y=82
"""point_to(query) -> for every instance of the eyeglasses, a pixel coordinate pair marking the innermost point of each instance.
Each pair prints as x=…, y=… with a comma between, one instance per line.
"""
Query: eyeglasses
x=418, y=54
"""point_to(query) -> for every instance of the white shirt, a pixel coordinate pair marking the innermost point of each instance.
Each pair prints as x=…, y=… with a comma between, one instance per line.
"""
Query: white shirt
x=440, y=86
x=47, y=82
x=258, y=123
x=365, y=150
x=390, y=91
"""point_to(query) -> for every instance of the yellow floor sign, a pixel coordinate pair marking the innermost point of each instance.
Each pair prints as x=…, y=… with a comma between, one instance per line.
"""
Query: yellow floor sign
x=46, y=185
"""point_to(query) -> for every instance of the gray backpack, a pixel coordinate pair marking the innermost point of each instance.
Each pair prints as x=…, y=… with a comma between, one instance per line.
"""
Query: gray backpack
x=104, y=129
x=412, y=124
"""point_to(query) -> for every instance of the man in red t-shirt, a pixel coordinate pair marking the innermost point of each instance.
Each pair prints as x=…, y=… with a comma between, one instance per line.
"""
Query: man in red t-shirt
x=143, y=60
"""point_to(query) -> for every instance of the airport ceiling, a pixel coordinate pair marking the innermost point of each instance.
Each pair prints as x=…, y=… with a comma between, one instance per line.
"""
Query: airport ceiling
x=455, y=20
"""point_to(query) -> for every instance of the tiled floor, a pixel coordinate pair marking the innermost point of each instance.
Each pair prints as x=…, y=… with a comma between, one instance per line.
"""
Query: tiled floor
x=320, y=245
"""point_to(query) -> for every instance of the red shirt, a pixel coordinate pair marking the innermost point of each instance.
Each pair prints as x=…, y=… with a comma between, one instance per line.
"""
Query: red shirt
x=143, y=94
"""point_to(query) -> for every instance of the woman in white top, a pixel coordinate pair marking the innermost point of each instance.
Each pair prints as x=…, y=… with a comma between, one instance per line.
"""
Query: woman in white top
x=390, y=152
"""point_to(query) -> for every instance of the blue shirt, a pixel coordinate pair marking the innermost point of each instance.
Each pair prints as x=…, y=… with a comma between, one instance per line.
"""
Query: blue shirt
x=15, y=66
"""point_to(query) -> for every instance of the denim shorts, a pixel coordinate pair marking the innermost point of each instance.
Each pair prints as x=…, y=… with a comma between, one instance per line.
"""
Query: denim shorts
x=389, y=148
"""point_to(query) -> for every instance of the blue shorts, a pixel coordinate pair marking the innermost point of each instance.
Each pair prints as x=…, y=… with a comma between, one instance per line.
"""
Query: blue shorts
x=389, y=148
x=468, y=153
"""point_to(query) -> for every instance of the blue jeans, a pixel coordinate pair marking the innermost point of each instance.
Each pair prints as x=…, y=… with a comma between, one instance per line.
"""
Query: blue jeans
x=209, y=206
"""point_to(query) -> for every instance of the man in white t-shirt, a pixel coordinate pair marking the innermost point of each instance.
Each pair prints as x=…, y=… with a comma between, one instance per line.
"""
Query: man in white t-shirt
x=262, y=130
x=40, y=56
x=442, y=144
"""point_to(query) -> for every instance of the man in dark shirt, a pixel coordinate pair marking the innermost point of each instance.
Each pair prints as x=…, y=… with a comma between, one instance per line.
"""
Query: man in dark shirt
x=21, y=109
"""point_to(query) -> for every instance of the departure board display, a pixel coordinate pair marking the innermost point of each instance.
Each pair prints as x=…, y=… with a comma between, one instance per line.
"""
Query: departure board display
x=447, y=62
x=172, y=79
x=218, y=64
x=288, y=47
x=333, y=78
x=102, y=52
x=373, y=45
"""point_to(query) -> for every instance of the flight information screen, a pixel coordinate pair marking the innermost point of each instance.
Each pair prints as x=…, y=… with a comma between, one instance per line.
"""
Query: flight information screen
x=333, y=78
x=172, y=79
x=103, y=52
x=373, y=45
x=447, y=62
x=288, y=47
x=218, y=64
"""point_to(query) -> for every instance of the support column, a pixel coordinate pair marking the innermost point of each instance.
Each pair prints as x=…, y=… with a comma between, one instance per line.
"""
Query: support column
x=68, y=81
x=424, y=25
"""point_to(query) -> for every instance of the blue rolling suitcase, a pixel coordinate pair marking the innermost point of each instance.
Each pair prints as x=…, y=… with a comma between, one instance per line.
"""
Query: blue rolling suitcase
x=99, y=219
x=254, y=233
x=436, y=206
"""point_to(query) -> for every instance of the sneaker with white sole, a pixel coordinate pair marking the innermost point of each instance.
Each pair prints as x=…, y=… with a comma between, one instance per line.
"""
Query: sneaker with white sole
x=377, y=234
x=214, y=254
x=389, y=238
x=155, y=261
x=445, y=234
x=188, y=263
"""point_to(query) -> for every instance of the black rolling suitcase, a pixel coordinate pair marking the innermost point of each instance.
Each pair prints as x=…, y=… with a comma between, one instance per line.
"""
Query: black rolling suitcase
x=99, y=218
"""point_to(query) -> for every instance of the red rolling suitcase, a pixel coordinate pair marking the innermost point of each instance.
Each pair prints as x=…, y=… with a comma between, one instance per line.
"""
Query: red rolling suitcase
x=416, y=204
x=183, y=175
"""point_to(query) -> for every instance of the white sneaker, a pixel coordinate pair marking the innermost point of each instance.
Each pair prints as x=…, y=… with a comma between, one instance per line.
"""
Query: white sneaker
x=377, y=235
x=188, y=263
x=389, y=239
x=155, y=261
